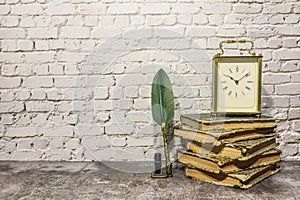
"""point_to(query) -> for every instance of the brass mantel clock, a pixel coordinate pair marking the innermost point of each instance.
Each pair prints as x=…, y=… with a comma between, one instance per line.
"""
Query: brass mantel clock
x=237, y=82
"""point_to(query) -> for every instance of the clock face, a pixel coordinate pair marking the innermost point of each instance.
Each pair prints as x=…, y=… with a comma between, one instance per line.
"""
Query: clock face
x=236, y=87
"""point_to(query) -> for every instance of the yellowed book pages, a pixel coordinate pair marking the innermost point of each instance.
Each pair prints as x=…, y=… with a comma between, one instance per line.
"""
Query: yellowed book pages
x=220, y=136
x=234, y=150
x=225, y=165
x=206, y=121
x=248, y=177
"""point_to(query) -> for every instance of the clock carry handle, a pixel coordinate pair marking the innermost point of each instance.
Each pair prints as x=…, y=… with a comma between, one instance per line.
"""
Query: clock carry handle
x=238, y=42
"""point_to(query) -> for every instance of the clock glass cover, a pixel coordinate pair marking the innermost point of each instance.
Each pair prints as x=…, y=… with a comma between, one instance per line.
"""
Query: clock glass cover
x=237, y=83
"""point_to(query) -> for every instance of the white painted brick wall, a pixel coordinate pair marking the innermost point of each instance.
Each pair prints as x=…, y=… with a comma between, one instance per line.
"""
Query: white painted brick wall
x=75, y=76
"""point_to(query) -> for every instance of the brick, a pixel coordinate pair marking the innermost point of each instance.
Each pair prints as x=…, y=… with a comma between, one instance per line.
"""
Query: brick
x=137, y=20
x=295, y=101
x=70, y=57
x=296, y=125
x=40, y=143
x=106, y=21
x=131, y=91
x=92, y=9
x=56, y=9
x=130, y=80
x=121, y=9
x=155, y=9
x=277, y=19
x=116, y=93
x=289, y=42
x=57, y=44
x=26, y=155
x=39, y=106
x=142, y=104
x=40, y=69
x=216, y=8
x=119, y=129
x=89, y=129
x=41, y=45
x=38, y=82
x=57, y=131
x=73, y=144
x=12, y=33
x=7, y=119
x=184, y=8
x=289, y=150
x=75, y=32
x=262, y=19
x=25, y=144
x=287, y=54
x=7, y=96
x=22, y=95
x=27, y=21
x=121, y=21
x=201, y=32
x=290, y=88
x=230, y=32
x=250, y=9
x=42, y=33
x=10, y=82
x=295, y=78
x=294, y=113
x=25, y=45
x=134, y=153
x=39, y=57
x=275, y=101
x=118, y=142
x=30, y=9
x=276, y=78
x=277, y=8
x=139, y=116
x=65, y=82
x=292, y=19
x=9, y=21
x=139, y=142
x=9, y=45
x=290, y=66
x=274, y=42
x=289, y=30
x=184, y=19
x=91, y=21
x=21, y=132
x=107, y=32
x=103, y=105
x=145, y=91
x=106, y=154
x=200, y=19
x=4, y=9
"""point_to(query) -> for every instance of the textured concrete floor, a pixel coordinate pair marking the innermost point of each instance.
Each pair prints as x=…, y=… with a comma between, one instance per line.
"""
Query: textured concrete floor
x=81, y=180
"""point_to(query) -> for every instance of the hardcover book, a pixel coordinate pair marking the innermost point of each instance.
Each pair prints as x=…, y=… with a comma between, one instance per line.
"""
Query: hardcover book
x=220, y=136
x=207, y=121
x=227, y=165
x=242, y=149
x=244, y=179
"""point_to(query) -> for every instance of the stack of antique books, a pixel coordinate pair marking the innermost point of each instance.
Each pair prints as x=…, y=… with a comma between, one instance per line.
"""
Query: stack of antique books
x=231, y=151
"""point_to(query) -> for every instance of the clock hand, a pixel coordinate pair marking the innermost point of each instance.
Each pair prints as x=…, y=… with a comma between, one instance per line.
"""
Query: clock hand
x=246, y=75
x=235, y=81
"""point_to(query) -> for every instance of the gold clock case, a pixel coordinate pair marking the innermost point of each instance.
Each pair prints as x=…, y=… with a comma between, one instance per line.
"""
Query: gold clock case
x=218, y=58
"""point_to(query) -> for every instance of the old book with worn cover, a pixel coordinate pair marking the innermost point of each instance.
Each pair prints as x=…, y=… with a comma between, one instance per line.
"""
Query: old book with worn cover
x=241, y=149
x=243, y=179
x=221, y=136
x=207, y=121
x=216, y=164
